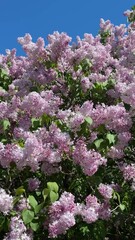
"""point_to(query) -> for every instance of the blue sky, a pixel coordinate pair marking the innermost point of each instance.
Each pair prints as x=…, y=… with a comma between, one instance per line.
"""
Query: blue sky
x=42, y=17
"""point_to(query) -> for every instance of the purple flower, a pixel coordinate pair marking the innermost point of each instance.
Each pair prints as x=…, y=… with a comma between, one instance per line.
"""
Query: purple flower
x=17, y=230
x=6, y=202
x=62, y=215
x=105, y=190
x=33, y=184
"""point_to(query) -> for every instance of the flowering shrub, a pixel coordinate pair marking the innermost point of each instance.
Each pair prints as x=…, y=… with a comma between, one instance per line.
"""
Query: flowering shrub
x=67, y=137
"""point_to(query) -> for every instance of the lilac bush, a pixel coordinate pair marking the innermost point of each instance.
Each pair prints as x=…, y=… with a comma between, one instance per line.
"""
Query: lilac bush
x=67, y=136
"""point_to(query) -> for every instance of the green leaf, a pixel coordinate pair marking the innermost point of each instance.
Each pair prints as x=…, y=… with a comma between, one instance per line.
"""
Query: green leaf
x=53, y=186
x=45, y=193
x=98, y=142
x=6, y=224
x=133, y=7
x=85, y=230
x=2, y=222
x=89, y=120
x=53, y=196
x=39, y=207
x=122, y=207
x=19, y=191
x=13, y=213
x=6, y=124
x=77, y=67
x=114, y=196
x=34, y=226
x=3, y=72
x=86, y=65
x=21, y=143
x=111, y=138
x=35, y=123
x=32, y=201
x=50, y=64
x=38, y=193
x=27, y=216
x=117, y=196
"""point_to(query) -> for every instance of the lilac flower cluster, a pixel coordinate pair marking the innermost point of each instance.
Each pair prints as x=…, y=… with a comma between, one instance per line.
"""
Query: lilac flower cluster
x=88, y=160
x=17, y=230
x=6, y=202
x=105, y=190
x=64, y=105
x=128, y=173
x=62, y=215
x=63, y=212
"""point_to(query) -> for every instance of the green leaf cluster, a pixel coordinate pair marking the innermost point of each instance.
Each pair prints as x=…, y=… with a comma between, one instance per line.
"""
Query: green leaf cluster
x=5, y=79
x=51, y=192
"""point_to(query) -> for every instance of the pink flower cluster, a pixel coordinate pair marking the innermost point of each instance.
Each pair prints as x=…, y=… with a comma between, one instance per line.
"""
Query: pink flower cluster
x=88, y=160
x=55, y=104
x=63, y=212
x=17, y=230
x=62, y=215
x=105, y=190
x=6, y=202
x=128, y=171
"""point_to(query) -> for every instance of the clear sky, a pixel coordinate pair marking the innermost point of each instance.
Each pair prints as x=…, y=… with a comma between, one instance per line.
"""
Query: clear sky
x=43, y=17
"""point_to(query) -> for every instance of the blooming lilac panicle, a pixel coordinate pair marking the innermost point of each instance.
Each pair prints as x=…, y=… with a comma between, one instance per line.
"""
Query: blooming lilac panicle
x=128, y=95
x=17, y=230
x=128, y=171
x=65, y=203
x=86, y=108
x=10, y=153
x=24, y=122
x=104, y=211
x=33, y=50
x=64, y=115
x=25, y=40
x=127, y=13
x=89, y=215
x=49, y=169
x=17, y=64
x=93, y=136
x=114, y=117
x=88, y=160
x=32, y=100
x=76, y=121
x=33, y=184
x=32, y=151
x=92, y=201
x=62, y=215
x=58, y=43
x=22, y=86
x=60, y=226
x=22, y=204
x=6, y=202
x=45, y=102
x=120, y=30
x=85, y=83
x=62, y=140
x=3, y=109
x=98, y=76
x=105, y=190
x=124, y=138
x=54, y=157
x=106, y=25
x=89, y=212
x=116, y=152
